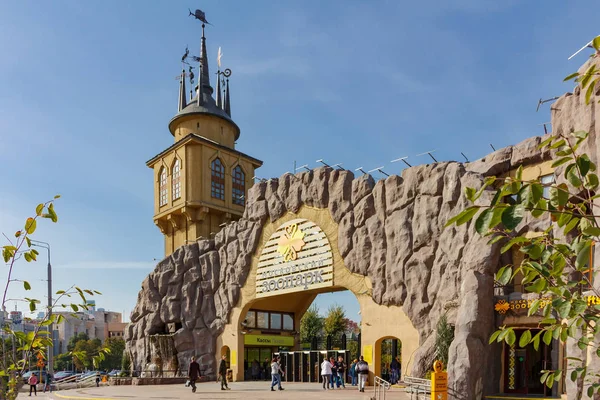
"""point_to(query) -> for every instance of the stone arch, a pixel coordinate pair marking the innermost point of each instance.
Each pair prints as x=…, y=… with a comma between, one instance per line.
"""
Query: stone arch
x=390, y=234
x=378, y=354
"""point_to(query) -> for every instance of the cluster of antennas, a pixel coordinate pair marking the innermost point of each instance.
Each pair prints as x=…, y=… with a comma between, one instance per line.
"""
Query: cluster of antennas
x=203, y=90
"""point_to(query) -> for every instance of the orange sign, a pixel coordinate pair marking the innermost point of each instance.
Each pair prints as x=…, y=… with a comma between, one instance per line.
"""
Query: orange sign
x=439, y=382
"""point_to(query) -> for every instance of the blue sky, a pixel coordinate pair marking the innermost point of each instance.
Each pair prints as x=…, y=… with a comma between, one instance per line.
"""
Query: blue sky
x=87, y=90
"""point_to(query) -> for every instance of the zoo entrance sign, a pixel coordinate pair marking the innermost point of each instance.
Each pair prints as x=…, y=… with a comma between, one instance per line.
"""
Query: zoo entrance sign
x=296, y=257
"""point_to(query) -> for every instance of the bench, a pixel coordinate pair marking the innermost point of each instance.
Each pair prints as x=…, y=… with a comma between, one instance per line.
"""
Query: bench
x=417, y=386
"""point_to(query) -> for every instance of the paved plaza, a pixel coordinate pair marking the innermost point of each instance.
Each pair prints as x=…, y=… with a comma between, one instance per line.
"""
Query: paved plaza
x=212, y=390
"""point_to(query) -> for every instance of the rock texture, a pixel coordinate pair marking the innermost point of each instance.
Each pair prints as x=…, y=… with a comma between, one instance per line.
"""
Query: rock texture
x=391, y=231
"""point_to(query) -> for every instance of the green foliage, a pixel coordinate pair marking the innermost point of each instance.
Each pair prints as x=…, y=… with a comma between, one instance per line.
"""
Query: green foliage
x=311, y=324
x=125, y=362
x=444, y=336
x=590, y=79
x=81, y=336
x=114, y=358
x=31, y=346
x=335, y=322
x=556, y=261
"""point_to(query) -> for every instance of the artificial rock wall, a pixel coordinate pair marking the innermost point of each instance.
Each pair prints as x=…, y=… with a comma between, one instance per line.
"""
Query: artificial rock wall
x=391, y=231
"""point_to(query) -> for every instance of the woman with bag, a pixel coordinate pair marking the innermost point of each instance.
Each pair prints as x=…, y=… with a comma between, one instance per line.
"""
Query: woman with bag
x=326, y=373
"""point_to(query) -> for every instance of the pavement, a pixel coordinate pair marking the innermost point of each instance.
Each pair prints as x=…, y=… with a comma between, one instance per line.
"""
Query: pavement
x=212, y=390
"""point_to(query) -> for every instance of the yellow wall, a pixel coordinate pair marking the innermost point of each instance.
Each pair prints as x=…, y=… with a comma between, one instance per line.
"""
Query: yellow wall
x=213, y=128
x=196, y=213
x=378, y=322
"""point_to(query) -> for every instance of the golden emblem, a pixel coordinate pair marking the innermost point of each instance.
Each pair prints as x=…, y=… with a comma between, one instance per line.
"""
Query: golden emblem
x=502, y=306
x=291, y=242
x=438, y=366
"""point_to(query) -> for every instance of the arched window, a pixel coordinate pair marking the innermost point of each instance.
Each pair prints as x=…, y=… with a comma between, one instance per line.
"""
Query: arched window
x=162, y=186
x=176, y=179
x=217, y=179
x=238, y=184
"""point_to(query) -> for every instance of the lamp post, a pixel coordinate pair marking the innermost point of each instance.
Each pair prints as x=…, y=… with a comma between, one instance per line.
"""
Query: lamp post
x=46, y=246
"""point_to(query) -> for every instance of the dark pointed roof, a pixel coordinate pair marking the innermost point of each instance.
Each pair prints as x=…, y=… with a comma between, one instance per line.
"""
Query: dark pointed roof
x=206, y=105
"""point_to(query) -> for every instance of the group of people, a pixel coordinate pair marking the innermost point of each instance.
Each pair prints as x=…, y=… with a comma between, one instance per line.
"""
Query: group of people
x=33, y=381
x=194, y=374
x=333, y=372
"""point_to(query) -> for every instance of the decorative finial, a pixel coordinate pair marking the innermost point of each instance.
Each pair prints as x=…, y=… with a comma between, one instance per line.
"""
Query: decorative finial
x=199, y=15
x=219, y=55
x=227, y=102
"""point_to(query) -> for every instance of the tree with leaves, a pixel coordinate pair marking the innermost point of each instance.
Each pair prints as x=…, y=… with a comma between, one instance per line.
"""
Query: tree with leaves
x=444, y=335
x=335, y=321
x=311, y=324
x=556, y=261
x=35, y=344
x=114, y=358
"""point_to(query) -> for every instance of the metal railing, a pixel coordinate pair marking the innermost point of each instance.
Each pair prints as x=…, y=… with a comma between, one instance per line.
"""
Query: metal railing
x=381, y=386
x=417, y=386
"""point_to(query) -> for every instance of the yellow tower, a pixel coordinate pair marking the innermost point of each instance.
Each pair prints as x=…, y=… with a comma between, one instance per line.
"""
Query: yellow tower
x=201, y=181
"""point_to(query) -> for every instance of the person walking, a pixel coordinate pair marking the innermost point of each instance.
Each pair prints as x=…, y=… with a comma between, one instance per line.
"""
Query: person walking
x=333, y=378
x=341, y=369
x=266, y=369
x=362, y=368
x=193, y=373
x=275, y=374
x=32, y=381
x=48, y=383
x=353, y=372
x=97, y=378
x=326, y=373
x=223, y=373
x=395, y=367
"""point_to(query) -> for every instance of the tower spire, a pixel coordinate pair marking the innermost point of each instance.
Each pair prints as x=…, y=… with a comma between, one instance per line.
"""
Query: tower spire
x=182, y=93
x=218, y=95
x=227, y=104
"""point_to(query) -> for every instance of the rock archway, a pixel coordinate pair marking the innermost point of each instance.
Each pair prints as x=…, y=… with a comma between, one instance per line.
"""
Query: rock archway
x=391, y=231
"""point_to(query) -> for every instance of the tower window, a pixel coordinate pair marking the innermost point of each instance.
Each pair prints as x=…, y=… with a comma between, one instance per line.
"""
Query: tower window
x=217, y=179
x=238, y=186
x=176, y=179
x=162, y=187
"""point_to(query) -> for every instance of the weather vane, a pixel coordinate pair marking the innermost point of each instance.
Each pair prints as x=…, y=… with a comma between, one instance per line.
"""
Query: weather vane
x=200, y=16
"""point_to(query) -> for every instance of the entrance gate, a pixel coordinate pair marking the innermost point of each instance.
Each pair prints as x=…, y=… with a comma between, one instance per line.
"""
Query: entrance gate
x=305, y=366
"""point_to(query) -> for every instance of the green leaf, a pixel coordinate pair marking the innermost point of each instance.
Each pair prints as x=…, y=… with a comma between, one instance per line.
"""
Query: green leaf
x=590, y=391
x=535, y=305
x=596, y=43
x=495, y=239
x=590, y=91
x=53, y=215
x=591, y=181
x=547, y=337
x=550, y=381
x=511, y=337
x=26, y=285
x=74, y=307
x=573, y=75
x=559, y=196
x=583, y=254
x=464, y=216
x=561, y=161
x=571, y=225
x=512, y=242
x=572, y=176
x=32, y=306
x=512, y=216
x=534, y=250
x=504, y=274
x=536, y=341
x=519, y=173
x=564, y=309
x=541, y=207
x=583, y=162
x=470, y=193
x=538, y=286
x=494, y=336
x=30, y=225
x=482, y=223
x=525, y=338
x=564, y=219
x=39, y=209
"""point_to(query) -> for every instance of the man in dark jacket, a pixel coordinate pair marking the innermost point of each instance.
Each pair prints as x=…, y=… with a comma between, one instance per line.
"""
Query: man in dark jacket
x=223, y=373
x=193, y=373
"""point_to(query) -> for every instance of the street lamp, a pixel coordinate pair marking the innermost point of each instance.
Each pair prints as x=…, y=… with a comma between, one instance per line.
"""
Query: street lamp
x=46, y=246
